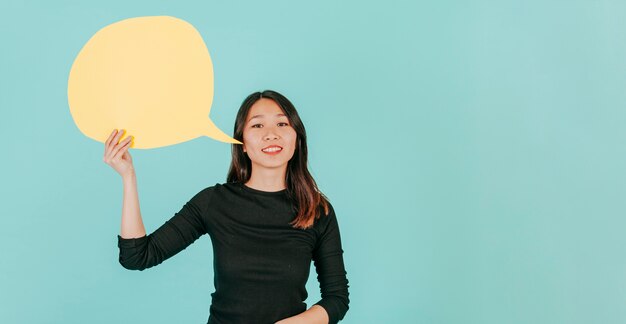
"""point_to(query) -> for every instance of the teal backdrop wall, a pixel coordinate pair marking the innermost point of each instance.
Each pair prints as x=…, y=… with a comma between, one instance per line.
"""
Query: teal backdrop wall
x=474, y=152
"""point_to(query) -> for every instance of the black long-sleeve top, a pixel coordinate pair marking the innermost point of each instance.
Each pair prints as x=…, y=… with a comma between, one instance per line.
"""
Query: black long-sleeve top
x=261, y=263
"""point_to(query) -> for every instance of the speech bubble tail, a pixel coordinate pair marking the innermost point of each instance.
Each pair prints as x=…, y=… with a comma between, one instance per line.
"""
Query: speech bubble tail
x=215, y=133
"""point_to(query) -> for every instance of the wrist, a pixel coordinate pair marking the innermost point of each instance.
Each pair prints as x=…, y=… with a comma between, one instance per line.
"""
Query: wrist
x=129, y=176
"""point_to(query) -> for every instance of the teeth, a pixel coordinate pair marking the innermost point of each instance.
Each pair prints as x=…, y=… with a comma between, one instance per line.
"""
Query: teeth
x=272, y=149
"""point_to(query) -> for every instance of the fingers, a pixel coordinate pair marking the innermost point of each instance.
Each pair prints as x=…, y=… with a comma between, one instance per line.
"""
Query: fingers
x=123, y=144
x=111, y=142
x=114, y=138
x=107, y=144
x=124, y=148
x=112, y=145
x=108, y=141
x=125, y=155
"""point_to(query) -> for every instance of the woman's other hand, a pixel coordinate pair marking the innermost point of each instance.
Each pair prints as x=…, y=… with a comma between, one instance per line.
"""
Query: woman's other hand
x=116, y=154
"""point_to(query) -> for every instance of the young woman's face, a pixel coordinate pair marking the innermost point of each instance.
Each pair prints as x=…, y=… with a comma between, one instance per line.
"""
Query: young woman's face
x=268, y=138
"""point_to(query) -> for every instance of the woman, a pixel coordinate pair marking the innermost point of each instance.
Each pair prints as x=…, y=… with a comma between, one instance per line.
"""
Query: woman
x=266, y=223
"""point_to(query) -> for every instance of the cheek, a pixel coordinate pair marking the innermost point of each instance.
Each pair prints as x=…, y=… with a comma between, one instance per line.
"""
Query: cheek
x=249, y=136
x=293, y=139
x=293, y=134
x=247, y=142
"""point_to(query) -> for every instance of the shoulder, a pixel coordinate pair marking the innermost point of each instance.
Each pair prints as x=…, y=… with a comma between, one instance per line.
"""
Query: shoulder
x=325, y=219
x=208, y=196
x=218, y=189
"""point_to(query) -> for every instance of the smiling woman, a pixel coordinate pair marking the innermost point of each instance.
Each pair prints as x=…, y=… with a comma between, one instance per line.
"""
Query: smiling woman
x=269, y=118
x=269, y=140
x=266, y=223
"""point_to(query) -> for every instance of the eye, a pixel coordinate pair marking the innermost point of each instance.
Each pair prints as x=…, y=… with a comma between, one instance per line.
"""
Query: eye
x=286, y=124
x=255, y=126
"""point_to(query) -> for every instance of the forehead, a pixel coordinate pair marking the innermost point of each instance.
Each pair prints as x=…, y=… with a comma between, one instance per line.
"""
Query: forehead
x=265, y=107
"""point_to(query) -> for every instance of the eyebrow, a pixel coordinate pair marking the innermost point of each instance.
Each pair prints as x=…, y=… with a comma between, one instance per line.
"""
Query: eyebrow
x=257, y=116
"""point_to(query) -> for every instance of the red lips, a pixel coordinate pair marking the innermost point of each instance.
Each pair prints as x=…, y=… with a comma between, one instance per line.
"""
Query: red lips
x=274, y=149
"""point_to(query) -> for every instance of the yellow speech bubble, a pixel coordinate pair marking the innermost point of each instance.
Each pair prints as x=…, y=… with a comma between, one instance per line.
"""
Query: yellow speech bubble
x=151, y=76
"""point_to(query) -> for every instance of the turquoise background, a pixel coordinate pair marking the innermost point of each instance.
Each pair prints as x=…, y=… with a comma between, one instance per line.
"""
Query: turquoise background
x=474, y=152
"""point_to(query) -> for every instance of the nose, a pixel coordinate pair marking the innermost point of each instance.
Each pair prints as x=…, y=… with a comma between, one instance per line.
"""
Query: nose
x=271, y=134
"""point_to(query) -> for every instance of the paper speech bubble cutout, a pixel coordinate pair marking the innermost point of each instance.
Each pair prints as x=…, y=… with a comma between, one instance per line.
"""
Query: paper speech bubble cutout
x=151, y=76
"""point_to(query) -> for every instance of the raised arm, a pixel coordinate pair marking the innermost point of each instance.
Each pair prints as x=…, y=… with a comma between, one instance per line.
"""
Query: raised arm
x=138, y=251
x=331, y=273
x=116, y=155
x=132, y=224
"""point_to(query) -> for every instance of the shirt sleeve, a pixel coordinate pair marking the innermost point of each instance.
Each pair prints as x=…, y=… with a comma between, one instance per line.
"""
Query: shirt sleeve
x=331, y=273
x=176, y=234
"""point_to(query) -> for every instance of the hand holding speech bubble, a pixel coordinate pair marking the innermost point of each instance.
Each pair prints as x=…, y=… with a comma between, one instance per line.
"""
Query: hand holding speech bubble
x=151, y=76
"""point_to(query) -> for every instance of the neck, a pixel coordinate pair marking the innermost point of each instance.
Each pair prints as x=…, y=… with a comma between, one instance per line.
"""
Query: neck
x=267, y=179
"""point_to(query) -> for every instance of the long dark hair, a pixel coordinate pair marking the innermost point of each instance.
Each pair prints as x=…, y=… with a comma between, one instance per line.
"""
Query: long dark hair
x=301, y=187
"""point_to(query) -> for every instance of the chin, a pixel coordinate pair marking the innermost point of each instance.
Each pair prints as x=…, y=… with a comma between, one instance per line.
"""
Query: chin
x=276, y=165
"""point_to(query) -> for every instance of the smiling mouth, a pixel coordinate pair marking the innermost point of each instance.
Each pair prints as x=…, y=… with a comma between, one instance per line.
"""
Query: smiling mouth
x=272, y=149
